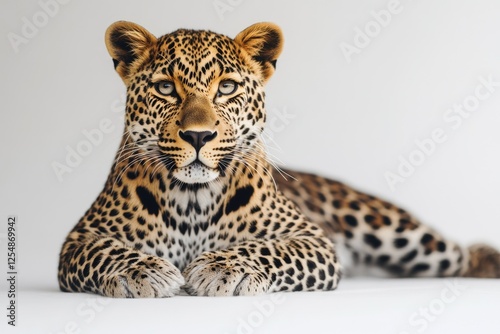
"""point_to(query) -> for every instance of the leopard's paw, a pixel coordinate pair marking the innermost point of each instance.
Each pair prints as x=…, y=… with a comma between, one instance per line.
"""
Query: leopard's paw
x=484, y=262
x=150, y=278
x=224, y=273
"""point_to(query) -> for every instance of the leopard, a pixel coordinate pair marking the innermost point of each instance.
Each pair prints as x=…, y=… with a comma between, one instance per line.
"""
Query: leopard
x=193, y=204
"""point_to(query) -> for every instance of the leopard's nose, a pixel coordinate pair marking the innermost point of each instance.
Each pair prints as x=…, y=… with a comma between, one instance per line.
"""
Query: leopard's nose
x=197, y=139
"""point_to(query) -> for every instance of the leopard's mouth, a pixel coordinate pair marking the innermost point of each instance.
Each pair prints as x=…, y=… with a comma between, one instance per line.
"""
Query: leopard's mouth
x=196, y=172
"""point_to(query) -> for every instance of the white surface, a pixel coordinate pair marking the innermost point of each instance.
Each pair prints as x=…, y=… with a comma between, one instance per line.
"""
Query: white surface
x=351, y=121
x=358, y=306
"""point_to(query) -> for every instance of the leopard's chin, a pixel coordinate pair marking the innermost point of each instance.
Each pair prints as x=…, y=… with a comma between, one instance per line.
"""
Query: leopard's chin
x=196, y=173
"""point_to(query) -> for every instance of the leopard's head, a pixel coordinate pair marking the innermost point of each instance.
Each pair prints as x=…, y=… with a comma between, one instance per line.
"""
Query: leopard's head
x=195, y=99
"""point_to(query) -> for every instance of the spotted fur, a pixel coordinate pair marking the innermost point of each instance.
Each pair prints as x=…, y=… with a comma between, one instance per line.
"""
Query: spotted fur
x=190, y=201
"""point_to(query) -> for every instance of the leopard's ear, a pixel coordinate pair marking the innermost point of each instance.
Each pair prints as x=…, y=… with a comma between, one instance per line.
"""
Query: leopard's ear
x=129, y=45
x=263, y=42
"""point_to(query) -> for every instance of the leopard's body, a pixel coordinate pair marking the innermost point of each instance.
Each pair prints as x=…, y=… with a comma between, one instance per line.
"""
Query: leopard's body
x=191, y=199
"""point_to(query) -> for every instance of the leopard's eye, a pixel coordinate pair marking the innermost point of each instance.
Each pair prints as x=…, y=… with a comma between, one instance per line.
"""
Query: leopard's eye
x=165, y=87
x=227, y=87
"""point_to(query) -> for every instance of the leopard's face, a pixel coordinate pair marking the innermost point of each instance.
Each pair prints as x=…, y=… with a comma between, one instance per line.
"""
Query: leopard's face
x=195, y=99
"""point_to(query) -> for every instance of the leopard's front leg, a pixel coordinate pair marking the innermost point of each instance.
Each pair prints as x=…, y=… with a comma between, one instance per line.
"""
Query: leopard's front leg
x=263, y=266
x=106, y=266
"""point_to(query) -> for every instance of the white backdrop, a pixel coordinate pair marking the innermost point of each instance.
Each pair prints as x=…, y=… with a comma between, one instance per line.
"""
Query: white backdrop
x=355, y=92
